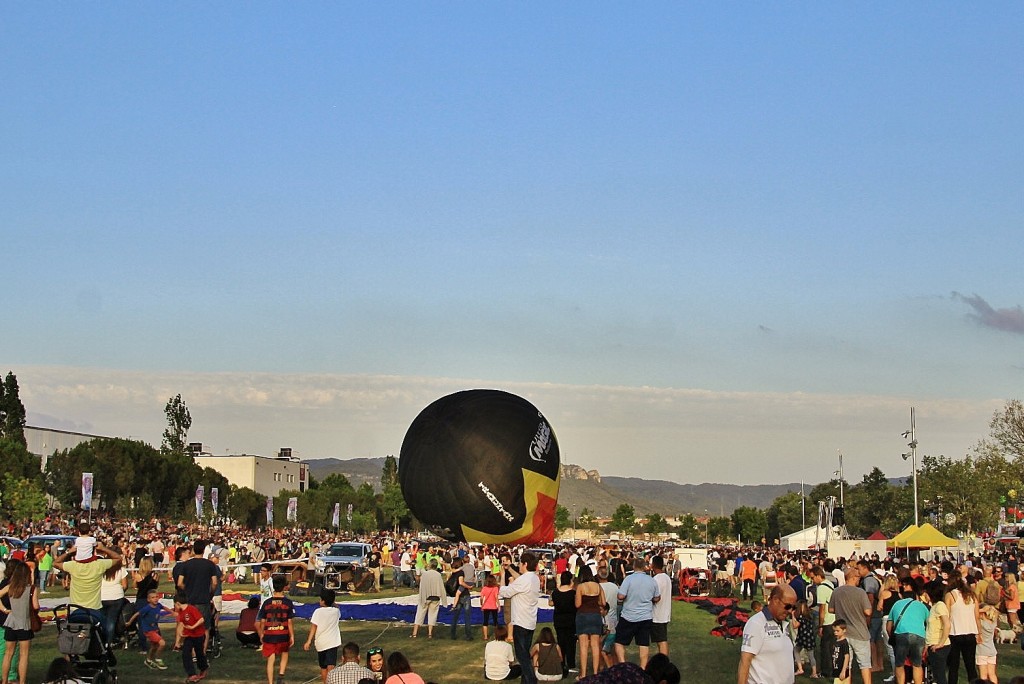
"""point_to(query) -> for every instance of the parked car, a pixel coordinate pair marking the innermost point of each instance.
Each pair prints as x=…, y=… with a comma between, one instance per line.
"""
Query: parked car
x=12, y=542
x=343, y=565
x=62, y=541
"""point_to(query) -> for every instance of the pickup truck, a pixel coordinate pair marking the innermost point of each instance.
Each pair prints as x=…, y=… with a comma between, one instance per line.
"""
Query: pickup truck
x=343, y=564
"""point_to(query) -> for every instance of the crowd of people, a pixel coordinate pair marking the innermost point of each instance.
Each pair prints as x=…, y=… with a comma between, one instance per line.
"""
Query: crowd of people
x=845, y=619
x=616, y=603
x=817, y=616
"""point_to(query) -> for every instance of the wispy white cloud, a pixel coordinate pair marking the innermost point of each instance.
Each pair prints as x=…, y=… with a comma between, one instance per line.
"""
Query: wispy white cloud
x=682, y=434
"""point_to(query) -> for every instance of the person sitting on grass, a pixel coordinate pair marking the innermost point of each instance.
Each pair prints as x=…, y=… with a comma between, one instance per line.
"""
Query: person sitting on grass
x=401, y=670
x=499, y=657
x=376, y=663
x=547, y=657
x=350, y=670
x=245, y=632
x=61, y=671
x=148, y=617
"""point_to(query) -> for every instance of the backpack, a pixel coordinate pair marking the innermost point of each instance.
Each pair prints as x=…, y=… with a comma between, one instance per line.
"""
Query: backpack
x=451, y=585
x=812, y=591
x=993, y=593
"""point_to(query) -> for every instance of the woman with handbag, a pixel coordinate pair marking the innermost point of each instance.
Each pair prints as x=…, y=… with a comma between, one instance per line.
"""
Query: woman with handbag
x=21, y=591
x=547, y=657
x=907, y=624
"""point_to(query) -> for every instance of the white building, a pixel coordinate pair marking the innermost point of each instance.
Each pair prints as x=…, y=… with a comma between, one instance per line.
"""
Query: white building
x=42, y=442
x=266, y=476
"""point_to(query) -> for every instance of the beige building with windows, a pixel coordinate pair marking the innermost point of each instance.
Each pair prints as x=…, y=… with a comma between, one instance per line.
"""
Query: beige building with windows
x=266, y=476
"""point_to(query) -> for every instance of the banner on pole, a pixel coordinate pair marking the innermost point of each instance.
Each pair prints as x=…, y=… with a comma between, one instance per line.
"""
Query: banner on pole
x=349, y=516
x=86, y=491
x=293, y=509
x=336, y=518
x=200, y=491
x=214, y=496
x=270, y=511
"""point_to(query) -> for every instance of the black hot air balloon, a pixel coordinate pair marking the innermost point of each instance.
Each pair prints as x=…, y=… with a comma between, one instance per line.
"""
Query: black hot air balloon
x=482, y=465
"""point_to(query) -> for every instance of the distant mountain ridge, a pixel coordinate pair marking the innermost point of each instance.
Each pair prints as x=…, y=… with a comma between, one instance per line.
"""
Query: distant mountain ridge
x=601, y=495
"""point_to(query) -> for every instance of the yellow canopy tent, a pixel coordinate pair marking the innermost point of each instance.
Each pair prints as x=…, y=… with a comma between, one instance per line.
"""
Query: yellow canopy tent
x=901, y=538
x=927, y=536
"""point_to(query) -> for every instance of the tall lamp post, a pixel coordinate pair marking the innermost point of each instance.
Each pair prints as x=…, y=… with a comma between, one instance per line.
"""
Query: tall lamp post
x=839, y=472
x=705, y=527
x=912, y=455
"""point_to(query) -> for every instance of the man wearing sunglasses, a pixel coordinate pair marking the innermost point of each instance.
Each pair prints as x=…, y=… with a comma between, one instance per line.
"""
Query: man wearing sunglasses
x=766, y=656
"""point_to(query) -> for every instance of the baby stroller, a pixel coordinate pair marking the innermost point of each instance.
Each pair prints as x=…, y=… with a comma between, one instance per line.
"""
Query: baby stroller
x=80, y=638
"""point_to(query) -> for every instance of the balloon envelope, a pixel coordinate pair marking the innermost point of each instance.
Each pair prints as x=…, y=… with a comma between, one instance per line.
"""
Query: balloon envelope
x=482, y=465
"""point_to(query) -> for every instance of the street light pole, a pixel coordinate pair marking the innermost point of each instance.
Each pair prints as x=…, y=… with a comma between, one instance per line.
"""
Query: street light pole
x=841, y=501
x=912, y=433
x=705, y=527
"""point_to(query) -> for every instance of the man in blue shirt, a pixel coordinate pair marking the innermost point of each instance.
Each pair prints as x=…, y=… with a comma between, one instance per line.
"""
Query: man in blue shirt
x=637, y=596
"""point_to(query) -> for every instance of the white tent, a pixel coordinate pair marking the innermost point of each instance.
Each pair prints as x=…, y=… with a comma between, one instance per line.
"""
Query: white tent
x=805, y=539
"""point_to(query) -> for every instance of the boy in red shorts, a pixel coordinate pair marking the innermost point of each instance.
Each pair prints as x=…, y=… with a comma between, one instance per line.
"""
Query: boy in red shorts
x=193, y=637
x=149, y=623
x=274, y=625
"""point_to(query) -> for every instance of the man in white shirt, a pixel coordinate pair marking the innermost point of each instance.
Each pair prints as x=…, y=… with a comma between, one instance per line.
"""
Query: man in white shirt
x=524, y=590
x=405, y=569
x=766, y=656
x=663, y=608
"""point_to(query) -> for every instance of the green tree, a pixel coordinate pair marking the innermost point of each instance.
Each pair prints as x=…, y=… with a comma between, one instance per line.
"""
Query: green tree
x=719, y=528
x=867, y=502
x=389, y=473
x=563, y=519
x=821, y=492
x=337, y=481
x=246, y=506
x=749, y=524
x=785, y=515
x=141, y=507
x=16, y=460
x=686, y=529
x=12, y=411
x=366, y=498
x=656, y=524
x=585, y=519
x=393, y=507
x=22, y=499
x=956, y=487
x=363, y=523
x=1006, y=430
x=179, y=420
x=624, y=518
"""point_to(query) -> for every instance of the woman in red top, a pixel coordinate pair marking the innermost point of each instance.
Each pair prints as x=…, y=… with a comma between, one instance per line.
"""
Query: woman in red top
x=246, y=630
x=489, y=602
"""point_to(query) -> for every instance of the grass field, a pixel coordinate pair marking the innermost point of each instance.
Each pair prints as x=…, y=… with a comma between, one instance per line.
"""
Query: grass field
x=699, y=656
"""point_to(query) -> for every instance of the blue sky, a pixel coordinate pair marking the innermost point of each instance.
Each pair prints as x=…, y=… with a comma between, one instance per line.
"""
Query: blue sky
x=755, y=232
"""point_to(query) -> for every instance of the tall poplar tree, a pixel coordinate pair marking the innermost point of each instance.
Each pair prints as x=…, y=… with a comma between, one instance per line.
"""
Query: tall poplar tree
x=179, y=420
x=12, y=411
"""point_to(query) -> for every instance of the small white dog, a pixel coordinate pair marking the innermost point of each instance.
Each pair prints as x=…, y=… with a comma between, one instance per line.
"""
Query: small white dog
x=1005, y=636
